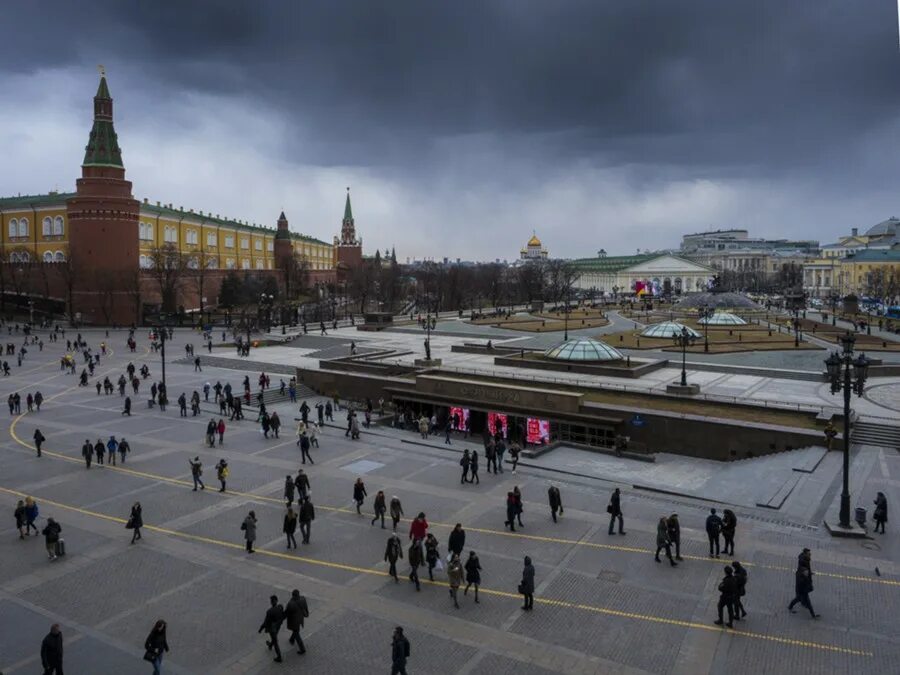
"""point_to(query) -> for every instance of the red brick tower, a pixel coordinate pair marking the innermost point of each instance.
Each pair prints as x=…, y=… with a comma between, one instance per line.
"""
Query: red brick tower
x=103, y=216
x=347, y=249
x=284, y=249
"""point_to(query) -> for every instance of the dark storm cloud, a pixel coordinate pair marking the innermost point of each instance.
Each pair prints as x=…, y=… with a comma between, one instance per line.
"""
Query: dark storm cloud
x=688, y=83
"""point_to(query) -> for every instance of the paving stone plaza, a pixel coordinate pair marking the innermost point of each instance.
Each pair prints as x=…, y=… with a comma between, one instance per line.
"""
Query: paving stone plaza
x=602, y=605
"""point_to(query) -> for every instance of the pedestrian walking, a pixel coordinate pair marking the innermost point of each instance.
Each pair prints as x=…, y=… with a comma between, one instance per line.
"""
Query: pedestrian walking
x=52, y=651
x=38, y=441
x=313, y=432
x=99, y=451
x=124, y=449
x=135, y=522
x=222, y=472
x=196, y=472
x=272, y=624
x=126, y=410
x=729, y=525
x=399, y=651
x=457, y=539
x=674, y=530
x=414, y=556
x=740, y=576
x=713, y=529
x=112, y=447
x=662, y=541
x=392, y=552
x=517, y=495
x=306, y=516
x=359, y=494
x=526, y=586
x=51, y=538
x=87, y=451
x=432, y=555
x=880, y=515
x=156, y=645
x=510, y=521
x=301, y=482
x=418, y=528
x=727, y=595
x=555, y=499
x=31, y=515
x=290, y=526
x=211, y=433
x=289, y=489
x=514, y=450
x=396, y=509
x=21, y=520
x=249, y=528
x=465, y=461
x=473, y=574
x=304, y=448
x=380, y=508
x=296, y=611
x=473, y=468
x=803, y=586
x=220, y=429
x=614, y=509
x=423, y=425
x=454, y=577
x=447, y=430
x=490, y=453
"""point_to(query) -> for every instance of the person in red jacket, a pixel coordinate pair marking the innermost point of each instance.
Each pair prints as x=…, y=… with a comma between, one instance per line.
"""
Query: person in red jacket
x=418, y=528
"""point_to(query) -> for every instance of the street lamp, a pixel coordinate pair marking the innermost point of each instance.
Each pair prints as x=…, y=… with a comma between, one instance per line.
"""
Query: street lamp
x=566, y=318
x=849, y=382
x=163, y=334
x=706, y=313
x=796, y=326
x=265, y=302
x=683, y=339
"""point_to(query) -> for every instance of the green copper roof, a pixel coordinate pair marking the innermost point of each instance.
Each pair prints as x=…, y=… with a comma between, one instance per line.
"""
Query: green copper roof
x=103, y=145
x=611, y=263
x=28, y=201
x=102, y=90
x=348, y=212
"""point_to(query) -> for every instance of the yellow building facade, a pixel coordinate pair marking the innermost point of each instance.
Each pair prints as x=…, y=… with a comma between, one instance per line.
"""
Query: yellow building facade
x=35, y=229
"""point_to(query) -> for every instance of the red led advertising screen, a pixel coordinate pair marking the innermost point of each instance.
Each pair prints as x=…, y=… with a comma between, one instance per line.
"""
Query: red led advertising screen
x=538, y=431
x=462, y=414
x=497, y=421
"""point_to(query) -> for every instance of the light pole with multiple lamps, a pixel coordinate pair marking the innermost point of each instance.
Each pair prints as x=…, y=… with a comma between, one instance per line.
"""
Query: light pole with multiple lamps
x=848, y=375
x=796, y=327
x=683, y=339
x=706, y=313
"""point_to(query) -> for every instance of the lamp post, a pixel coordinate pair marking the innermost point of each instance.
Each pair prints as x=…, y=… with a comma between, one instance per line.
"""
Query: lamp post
x=265, y=302
x=566, y=318
x=796, y=326
x=683, y=340
x=163, y=337
x=852, y=379
x=706, y=313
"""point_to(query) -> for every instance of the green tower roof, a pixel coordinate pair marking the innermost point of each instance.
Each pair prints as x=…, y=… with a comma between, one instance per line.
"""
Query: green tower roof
x=103, y=145
x=348, y=212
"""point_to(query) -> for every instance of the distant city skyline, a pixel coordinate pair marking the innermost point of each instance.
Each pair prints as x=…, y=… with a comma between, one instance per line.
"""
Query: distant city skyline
x=597, y=125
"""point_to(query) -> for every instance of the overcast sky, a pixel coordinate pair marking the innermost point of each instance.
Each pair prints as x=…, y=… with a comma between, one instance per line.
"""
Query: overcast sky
x=463, y=126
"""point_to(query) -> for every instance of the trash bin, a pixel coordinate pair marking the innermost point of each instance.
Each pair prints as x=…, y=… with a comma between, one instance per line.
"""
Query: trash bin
x=861, y=516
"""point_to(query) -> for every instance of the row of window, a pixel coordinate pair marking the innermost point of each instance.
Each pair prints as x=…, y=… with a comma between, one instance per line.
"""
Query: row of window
x=50, y=227
x=192, y=236
x=146, y=262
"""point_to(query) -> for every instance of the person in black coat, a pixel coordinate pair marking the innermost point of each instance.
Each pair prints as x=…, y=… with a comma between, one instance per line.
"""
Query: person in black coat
x=393, y=552
x=136, y=522
x=294, y=613
x=465, y=461
x=457, y=540
x=272, y=624
x=155, y=645
x=740, y=576
x=674, y=530
x=526, y=586
x=803, y=586
x=473, y=573
x=713, y=529
x=728, y=590
x=555, y=501
x=52, y=651
x=399, y=652
x=880, y=515
x=359, y=494
x=615, y=511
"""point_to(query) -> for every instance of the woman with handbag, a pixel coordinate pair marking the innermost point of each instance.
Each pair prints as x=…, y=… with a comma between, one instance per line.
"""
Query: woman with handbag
x=155, y=645
x=135, y=522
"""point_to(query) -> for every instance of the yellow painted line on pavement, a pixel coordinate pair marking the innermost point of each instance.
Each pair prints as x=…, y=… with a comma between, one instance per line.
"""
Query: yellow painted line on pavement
x=821, y=646
x=502, y=533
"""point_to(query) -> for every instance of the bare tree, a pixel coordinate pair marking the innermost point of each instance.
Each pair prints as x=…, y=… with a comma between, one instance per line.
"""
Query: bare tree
x=362, y=284
x=531, y=281
x=106, y=283
x=561, y=276
x=167, y=267
x=296, y=275
x=132, y=285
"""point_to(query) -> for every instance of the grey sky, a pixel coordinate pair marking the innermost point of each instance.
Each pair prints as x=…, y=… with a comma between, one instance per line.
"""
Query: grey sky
x=463, y=126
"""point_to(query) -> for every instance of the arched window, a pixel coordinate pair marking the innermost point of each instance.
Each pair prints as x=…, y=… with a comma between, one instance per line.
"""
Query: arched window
x=59, y=227
x=211, y=263
x=13, y=228
x=47, y=227
x=23, y=227
x=259, y=264
x=59, y=256
x=193, y=264
x=245, y=264
x=48, y=256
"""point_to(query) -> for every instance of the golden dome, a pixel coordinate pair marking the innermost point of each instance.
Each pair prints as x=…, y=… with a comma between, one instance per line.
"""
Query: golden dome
x=534, y=241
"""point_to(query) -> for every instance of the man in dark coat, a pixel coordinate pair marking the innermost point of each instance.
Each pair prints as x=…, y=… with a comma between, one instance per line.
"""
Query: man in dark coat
x=728, y=591
x=87, y=451
x=713, y=529
x=52, y=651
x=457, y=540
x=392, y=552
x=414, y=555
x=295, y=612
x=272, y=624
x=803, y=586
x=555, y=501
x=306, y=515
x=526, y=586
x=399, y=652
x=674, y=529
x=615, y=511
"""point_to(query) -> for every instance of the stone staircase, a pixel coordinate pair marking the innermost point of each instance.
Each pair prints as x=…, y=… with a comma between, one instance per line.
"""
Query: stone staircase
x=873, y=433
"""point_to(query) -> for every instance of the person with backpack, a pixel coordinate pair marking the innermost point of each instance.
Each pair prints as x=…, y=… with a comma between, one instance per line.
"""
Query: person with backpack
x=51, y=538
x=272, y=624
x=729, y=525
x=393, y=552
x=399, y=652
x=713, y=529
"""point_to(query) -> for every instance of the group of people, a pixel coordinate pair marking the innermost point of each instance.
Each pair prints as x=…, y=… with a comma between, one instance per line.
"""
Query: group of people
x=104, y=451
